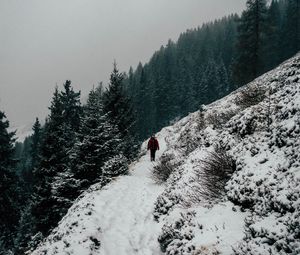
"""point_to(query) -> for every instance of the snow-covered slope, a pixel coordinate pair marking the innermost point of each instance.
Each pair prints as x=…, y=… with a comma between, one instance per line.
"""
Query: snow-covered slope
x=254, y=208
x=22, y=131
x=116, y=219
x=260, y=210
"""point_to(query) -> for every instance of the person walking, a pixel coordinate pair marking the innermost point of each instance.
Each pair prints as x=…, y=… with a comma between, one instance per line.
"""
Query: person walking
x=153, y=146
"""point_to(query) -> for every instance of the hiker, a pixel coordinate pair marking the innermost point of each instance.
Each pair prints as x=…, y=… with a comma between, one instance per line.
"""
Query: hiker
x=153, y=146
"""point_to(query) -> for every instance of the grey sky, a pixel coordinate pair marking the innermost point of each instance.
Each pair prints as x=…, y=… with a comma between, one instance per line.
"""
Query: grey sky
x=44, y=42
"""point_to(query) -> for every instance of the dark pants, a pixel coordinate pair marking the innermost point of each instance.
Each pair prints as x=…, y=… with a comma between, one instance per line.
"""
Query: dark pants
x=152, y=155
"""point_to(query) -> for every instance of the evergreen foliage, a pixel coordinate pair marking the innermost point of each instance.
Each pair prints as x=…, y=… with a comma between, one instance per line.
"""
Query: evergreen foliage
x=272, y=45
x=79, y=146
x=117, y=106
x=181, y=76
x=25, y=231
x=23, y=166
x=250, y=48
x=268, y=35
x=28, y=154
x=209, y=62
x=291, y=29
x=9, y=191
x=52, y=197
x=98, y=141
x=35, y=144
x=115, y=166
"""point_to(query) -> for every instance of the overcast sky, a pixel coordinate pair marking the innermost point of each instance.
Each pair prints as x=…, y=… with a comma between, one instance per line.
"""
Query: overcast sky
x=45, y=42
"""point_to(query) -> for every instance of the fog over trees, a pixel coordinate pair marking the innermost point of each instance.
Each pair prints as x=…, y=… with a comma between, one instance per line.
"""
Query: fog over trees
x=83, y=142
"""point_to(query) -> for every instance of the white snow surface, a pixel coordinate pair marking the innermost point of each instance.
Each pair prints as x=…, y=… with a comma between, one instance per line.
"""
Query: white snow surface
x=258, y=212
x=116, y=220
x=261, y=203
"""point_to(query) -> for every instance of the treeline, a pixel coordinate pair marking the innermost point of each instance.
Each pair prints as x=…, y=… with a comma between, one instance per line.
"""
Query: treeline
x=267, y=35
x=209, y=62
x=75, y=148
x=80, y=145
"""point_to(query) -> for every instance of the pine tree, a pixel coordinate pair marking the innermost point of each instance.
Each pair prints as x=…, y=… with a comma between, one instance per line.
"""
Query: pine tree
x=26, y=229
x=53, y=144
x=209, y=89
x=9, y=197
x=71, y=105
x=291, y=30
x=32, y=154
x=175, y=80
x=229, y=39
x=169, y=85
x=23, y=168
x=249, y=61
x=272, y=40
x=54, y=184
x=30, y=157
x=98, y=141
x=185, y=89
x=51, y=162
x=143, y=97
x=64, y=188
x=118, y=107
x=35, y=143
x=223, y=88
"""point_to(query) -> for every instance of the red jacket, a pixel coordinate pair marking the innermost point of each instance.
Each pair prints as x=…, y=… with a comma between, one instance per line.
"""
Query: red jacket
x=153, y=144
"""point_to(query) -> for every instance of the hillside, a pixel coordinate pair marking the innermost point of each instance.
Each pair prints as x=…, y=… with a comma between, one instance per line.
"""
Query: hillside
x=234, y=186
x=209, y=62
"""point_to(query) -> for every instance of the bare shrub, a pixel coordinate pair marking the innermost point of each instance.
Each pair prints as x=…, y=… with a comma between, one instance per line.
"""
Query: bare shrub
x=200, y=121
x=218, y=119
x=251, y=95
x=115, y=166
x=162, y=171
x=207, y=250
x=188, y=141
x=176, y=236
x=189, y=145
x=211, y=176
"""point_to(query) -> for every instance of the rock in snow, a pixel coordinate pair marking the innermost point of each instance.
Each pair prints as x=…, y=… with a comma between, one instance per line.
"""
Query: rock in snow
x=251, y=208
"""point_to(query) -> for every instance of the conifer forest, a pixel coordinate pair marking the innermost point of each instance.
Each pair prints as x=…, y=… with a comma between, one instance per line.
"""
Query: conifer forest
x=86, y=143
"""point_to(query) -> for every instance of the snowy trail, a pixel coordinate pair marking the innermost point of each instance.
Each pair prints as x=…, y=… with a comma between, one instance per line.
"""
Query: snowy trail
x=125, y=209
x=114, y=220
x=117, y=219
